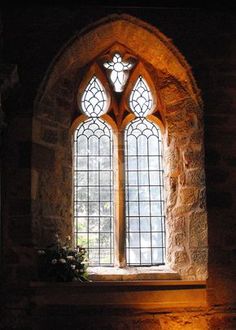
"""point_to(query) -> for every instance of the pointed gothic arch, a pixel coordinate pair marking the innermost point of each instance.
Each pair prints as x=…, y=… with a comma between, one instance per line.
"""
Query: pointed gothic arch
x=179, y=107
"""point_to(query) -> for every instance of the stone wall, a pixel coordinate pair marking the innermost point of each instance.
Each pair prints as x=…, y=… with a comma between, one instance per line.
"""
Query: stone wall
x=180, y=107
x=208, y=42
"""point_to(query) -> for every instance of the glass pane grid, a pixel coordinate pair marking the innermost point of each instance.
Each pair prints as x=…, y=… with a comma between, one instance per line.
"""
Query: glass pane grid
x=93, y=191
x=94, y=99
x=141, y=101
x=145, y=219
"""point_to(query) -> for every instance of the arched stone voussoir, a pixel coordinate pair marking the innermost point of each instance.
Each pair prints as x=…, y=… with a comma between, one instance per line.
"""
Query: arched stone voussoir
x=139, y=37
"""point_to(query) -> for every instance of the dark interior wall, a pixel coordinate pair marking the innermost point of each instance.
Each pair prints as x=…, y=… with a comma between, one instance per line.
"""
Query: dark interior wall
x=33, y=35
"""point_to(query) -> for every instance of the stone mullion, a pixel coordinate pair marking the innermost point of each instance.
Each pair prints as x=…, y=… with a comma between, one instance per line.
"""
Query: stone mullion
x=120, y=258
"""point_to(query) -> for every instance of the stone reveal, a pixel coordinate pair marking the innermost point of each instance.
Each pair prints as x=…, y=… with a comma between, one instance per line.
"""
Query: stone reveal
x=181, y=111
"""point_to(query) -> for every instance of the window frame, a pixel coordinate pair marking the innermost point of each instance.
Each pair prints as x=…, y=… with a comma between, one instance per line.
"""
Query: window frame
x=95, y=185
x=118, y=126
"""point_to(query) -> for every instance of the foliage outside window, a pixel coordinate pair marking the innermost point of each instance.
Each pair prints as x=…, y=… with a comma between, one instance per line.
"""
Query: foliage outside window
x=119, y=209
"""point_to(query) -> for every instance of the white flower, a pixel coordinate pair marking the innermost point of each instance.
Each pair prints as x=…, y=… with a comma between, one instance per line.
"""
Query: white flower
x=72, y=266
x=70, y=257
x=62, y=261
x=54, y=261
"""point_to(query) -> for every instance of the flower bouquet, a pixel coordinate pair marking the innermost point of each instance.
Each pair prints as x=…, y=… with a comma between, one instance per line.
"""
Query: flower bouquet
x=61, y=263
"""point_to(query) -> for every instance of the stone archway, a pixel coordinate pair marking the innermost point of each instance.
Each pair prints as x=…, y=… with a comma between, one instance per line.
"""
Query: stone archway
x=181, y=106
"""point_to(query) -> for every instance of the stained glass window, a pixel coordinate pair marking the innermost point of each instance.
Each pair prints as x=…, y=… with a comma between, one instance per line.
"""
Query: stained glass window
x=118, y=72
x=145, y=228
x=141, y=100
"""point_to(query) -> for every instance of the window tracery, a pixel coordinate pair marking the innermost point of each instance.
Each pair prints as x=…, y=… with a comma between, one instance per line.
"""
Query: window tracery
x=142, y=191
x=118, y=72
x=141, y=100
x=94, y=99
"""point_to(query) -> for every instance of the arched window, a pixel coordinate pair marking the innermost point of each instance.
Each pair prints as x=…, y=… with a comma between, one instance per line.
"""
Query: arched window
x=93, y=178
x=130, y=76
x=136, y=236
x=145, y=214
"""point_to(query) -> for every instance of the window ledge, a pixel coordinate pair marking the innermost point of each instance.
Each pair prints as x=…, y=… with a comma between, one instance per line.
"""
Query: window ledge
x=132, y=273
x=135, y=294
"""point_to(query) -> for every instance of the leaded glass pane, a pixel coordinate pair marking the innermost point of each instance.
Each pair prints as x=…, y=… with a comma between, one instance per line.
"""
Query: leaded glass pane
x=145, y=230
x=141, y=101
x=93, y=190
x=94, y=101
x=118, y=72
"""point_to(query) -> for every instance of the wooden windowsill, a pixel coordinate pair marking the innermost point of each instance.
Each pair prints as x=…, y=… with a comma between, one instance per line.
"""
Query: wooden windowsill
x=137, y=294
x=137, y=283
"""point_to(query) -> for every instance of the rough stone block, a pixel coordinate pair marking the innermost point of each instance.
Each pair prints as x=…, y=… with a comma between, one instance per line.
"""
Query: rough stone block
x=186, y=321
x=196, y=138
x=172, y=93
x=199, y=256
x=63, y=117
x=43, y=157
x=188, y=196
x=49, y=136
x=181, y=257
x=194, y=177
x=180, y=239
x=178, y=224
x=198, y=230
x=193, y=158
x=62, y=102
